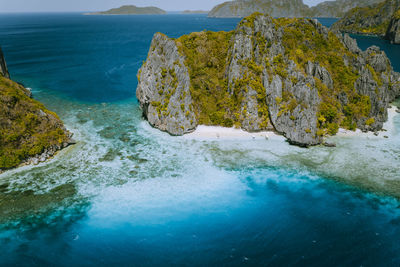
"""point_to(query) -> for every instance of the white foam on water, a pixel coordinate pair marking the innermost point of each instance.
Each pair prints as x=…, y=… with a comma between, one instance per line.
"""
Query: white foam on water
x=130, y=168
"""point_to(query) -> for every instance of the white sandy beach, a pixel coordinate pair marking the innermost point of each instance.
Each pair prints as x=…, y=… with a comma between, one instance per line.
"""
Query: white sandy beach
x=217, y=132
x=388, y=128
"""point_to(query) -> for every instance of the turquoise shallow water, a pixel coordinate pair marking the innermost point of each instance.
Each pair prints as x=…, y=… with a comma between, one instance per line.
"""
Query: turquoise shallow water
x=127, y=194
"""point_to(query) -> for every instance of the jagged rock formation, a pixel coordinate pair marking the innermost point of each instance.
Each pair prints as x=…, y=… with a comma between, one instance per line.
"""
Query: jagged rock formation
x=168, y=108
x=3, y=66
x=393, y=31
x=286, y=8
x=380, y=19
x=131, y=10
x=291, y=75
x=29, y=133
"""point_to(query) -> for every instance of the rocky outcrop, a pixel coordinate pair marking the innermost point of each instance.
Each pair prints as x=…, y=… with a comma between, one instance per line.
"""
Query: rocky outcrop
x=382, y=19
x=290, y=75
x=286, y=8
x=163, y=90
x=372, y=62
x=351, y=44
x=297, y=124
x=3, y=66
x=376, y=80
x=241, y=53
x=29, y=133
x=393, y=31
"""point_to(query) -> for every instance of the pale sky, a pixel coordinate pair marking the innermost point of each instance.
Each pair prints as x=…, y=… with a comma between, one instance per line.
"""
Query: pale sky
x=99, y=5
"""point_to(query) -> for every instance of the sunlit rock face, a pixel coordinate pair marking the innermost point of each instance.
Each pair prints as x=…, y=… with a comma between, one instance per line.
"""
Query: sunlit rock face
x=163, y=89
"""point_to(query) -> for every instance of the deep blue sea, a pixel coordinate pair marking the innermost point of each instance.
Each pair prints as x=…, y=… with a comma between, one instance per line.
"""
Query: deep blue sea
x=129, y=195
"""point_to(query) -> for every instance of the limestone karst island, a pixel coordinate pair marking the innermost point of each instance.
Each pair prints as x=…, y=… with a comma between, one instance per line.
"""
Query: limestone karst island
x=200, y=133
x=293, y=76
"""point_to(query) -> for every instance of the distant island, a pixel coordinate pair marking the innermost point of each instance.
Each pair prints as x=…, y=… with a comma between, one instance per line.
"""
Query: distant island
x=337, y=8
x=289, y=75
x=131, y=10
x=381, y=19
x=286, y=8
x=194, y=12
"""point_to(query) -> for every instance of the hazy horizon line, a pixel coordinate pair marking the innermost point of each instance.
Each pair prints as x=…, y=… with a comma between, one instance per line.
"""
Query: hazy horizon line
x=89, y=11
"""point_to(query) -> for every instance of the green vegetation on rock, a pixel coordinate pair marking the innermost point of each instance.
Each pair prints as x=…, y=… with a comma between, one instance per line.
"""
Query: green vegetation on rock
x=205, y=56
x=302, y=45
x=288, y=74
x=397, y=14
x=27, y=128
x=374, y=19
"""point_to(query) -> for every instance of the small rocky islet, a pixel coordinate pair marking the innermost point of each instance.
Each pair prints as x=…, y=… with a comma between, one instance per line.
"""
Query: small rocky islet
x=29, y=133
x=290, y=75
x=381, y=19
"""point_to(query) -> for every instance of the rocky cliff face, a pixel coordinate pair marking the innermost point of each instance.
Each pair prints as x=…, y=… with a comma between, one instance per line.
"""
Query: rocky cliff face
x=291, y=75
x=163, y=90
x=393, y=31
x=3, y=66
x=286, y=8
x=29, y=133
x=380, y=19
